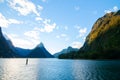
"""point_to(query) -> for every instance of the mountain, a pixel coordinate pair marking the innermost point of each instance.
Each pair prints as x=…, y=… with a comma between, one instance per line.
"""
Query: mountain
x=103, y=42
x=65, y=51
x=7, y=50
x=22, y=52
x=6, y=47
x=40, y=52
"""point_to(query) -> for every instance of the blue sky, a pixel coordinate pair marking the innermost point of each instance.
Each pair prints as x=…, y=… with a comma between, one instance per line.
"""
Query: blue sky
x=56, y=23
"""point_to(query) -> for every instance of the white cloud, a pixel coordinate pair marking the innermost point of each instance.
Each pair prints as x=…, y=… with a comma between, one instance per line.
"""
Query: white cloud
x=108, y=11
x=32, y=34
x=115, y=8
x=38, y=19
x=14, y=21
x=26, y=41
x=5, y=22
x=47, y=26
x=20, y=42
x=40, y=7
x=63, y=35
x=82, y=32
x=24, y=7
x=77, y=44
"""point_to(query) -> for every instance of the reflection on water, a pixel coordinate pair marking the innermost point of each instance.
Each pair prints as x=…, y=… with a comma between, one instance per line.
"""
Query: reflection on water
x=55, y=69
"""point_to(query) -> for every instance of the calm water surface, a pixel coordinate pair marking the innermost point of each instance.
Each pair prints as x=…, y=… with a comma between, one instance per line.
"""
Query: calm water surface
x=55, y=69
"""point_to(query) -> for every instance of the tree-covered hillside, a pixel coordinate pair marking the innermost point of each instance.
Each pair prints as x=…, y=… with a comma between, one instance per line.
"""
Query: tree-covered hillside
x=103, y=42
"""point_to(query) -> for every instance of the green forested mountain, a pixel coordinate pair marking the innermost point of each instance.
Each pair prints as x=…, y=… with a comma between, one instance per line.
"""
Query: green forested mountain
x=103, y=42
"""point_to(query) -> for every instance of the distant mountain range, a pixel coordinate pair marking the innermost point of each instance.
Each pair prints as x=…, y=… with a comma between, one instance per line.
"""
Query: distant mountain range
x=65, y=51
x=103, y=42
x=7, y=50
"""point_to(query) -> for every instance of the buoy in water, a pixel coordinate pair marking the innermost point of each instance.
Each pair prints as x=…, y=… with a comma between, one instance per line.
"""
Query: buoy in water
x=26, y=61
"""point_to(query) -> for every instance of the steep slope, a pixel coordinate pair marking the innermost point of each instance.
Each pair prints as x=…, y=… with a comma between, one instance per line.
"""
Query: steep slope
x=103, y=42
x=6, y=50
x=22, y=52
x=40, y=52
x=65, y=51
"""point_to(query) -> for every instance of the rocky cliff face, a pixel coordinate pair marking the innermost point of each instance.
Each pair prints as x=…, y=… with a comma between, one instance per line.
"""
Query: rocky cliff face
x=103, y=42
x=104, y=37
x=105, y=33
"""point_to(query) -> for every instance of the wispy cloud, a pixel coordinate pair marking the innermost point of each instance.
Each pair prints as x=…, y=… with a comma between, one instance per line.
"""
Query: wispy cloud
x=14, y=21
x=24, y=7
x=40, y=7
x=63, y=36
x=115, y=8
x=20, y=42
x=82, y=31
x=48, y=26
x=32, y=34
x=77, y=8
x=6, y=22
x=38, y=19
x=77, y=44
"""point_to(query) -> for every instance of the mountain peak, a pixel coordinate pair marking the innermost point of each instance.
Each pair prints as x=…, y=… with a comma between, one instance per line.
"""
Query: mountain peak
x=69, y=47
x=40, y=45
x=40, y=52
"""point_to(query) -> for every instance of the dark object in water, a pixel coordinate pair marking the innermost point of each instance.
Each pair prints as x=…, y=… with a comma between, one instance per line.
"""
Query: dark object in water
x=26, y=61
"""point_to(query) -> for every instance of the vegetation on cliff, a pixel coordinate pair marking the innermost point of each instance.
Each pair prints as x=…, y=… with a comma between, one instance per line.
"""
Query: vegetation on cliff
x=103, y=42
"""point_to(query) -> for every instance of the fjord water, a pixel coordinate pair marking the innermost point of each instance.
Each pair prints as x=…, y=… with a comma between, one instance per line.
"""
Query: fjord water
x=56, y=69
